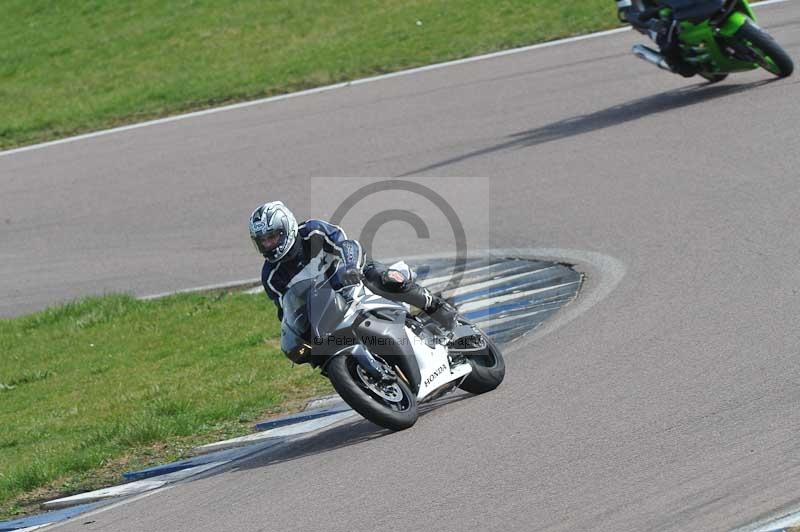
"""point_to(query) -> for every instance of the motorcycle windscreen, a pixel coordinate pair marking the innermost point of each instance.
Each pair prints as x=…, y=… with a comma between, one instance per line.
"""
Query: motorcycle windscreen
x=325, y=309
x=295, y=328
x=293, y=304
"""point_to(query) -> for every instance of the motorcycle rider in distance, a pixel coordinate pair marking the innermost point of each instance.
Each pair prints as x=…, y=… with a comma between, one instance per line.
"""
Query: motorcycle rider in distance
x=661, y=32
x=294, y=252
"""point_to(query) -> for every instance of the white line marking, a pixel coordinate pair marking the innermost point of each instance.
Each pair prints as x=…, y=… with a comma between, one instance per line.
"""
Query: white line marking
x=507, y=319
x=775, y=525
x=609, y=266
x=132, y=488
x=477, y=305
x=603, y=275
x=502, y=267
x=324, y=402
x=436, y=280
x=280, y=432
x=317, y=90
x=328, y=88
x=471, y=288
x=109, y=506
x=208, y=288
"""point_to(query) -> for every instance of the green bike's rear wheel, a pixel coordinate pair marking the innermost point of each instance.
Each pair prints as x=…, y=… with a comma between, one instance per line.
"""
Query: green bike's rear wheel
x=767, y=53
x=713, y=78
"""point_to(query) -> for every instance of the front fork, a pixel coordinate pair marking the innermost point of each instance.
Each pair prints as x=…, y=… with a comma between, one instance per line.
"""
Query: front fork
x=375, y=369
x=702, y=43
x=735, y=21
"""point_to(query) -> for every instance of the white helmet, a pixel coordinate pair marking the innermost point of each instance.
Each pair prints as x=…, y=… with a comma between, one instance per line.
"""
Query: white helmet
x=273, y=229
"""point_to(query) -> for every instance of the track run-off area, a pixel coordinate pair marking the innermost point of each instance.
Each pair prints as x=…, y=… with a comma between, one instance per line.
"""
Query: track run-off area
x=508, y=293
x=670, y=404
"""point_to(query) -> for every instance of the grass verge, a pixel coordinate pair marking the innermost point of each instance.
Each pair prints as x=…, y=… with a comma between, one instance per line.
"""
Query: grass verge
x=71, y=67
x=101, y=386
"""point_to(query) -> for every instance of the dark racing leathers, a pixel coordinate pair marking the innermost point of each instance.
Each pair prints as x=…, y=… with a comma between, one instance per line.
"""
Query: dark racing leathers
x=319, y=244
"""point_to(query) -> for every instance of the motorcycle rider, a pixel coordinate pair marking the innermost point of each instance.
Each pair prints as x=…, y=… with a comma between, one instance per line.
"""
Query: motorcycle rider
x=300, y=251
x=663, y=33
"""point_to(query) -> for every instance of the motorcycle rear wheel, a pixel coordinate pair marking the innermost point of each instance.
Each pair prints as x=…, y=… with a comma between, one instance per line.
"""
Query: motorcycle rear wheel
x=488, y=369
x=713, y=78
x=394, y=408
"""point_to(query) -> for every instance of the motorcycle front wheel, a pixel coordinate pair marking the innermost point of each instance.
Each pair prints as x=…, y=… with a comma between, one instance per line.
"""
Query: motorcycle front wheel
x=391, y=405
x=767, y=53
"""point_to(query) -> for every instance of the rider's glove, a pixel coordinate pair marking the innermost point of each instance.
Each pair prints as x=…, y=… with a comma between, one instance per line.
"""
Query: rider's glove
x=350, y=276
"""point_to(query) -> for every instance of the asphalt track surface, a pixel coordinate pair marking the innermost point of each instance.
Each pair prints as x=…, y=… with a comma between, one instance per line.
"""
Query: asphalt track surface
x=671, y=405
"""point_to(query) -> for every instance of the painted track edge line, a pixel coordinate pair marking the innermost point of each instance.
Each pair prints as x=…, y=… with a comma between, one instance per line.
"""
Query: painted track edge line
x=123, y=501
x=317, y=90
x=776, y=523
x=609, y=270
x=328, y=88
x=221, y=468
x=604, y=275
x=245, y=283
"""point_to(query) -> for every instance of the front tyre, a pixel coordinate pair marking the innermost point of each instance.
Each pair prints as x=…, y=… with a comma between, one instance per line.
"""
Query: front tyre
x=390, y=405
x=768, y=54
x=488, y=368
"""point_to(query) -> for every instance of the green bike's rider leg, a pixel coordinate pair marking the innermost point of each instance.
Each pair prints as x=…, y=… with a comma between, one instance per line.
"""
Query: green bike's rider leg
x=663, y=33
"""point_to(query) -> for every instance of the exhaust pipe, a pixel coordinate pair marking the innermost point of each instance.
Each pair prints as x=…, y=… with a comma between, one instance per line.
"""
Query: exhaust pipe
x=651, y=56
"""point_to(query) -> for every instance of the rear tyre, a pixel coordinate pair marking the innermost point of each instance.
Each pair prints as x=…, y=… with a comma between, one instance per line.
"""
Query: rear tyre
x=488, y=369
x=768, y=53
x=713, y=78
x=391, y=406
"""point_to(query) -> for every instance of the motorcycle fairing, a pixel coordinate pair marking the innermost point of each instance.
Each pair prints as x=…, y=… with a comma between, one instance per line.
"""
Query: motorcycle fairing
x=384, y=333
x=434, y=366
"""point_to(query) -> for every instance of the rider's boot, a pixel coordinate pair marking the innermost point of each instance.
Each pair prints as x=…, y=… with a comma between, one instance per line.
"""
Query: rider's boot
x=443, y=313
x=440, y=311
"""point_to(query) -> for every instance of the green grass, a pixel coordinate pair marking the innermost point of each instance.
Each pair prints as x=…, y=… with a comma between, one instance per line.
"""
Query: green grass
x=69, y=66
x=96, y=387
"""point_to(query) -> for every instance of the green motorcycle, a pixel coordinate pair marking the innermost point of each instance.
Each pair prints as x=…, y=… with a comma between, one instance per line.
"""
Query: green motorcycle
x=712, y=38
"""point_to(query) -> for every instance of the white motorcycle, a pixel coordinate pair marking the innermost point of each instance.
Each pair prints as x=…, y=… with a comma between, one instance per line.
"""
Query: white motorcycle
x=382, y=359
